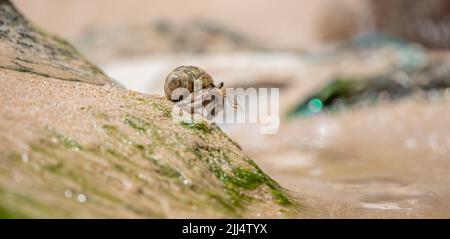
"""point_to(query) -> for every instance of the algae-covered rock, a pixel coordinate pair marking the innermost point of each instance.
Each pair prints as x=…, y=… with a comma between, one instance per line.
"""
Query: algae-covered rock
x=345, y=92
x=74, y=144
x=25, y=47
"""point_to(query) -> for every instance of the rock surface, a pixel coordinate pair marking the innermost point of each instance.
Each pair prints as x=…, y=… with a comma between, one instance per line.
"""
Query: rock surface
x=26, y=48
x=75, y=144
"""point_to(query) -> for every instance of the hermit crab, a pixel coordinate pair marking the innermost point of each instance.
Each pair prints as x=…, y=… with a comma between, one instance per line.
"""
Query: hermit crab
x=195, y=87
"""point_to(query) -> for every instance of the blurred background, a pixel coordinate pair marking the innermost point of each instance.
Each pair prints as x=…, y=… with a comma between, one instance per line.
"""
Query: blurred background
x=364, y=85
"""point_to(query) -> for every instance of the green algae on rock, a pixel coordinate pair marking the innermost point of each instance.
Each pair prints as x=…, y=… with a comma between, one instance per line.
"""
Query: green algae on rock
x=345, y=92
x=163, y=159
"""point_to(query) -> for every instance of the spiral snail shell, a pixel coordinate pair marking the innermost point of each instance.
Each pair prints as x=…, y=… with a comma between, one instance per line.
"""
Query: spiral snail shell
x=186, y=77
x=202, y=92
